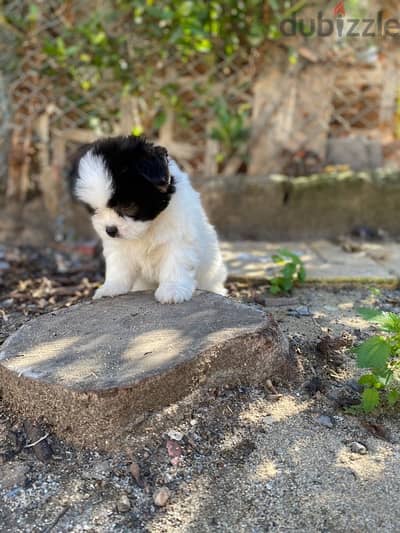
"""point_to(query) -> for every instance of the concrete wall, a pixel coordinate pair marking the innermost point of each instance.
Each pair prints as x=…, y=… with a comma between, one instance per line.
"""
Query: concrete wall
x=278, y=207
x=261, y=208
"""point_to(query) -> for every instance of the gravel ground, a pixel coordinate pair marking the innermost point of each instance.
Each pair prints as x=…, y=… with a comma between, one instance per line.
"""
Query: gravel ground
x=228, y=459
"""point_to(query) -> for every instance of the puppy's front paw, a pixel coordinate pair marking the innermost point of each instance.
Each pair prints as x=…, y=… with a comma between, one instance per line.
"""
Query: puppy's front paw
x=171, y=293
x=108, y=290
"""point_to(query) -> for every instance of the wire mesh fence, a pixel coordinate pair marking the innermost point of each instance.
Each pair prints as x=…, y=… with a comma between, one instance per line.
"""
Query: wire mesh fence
x=206, y=80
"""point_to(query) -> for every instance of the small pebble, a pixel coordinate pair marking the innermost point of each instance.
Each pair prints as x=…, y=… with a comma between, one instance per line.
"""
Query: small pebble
x=269, y=419
x=99, y=471
x=175, y=435
x=123, y=504
x=161, y=496
x=357, y=447
x=135, y=471
x=354, y=385
x=326, y=421
x=7, y=303
x=301, y=310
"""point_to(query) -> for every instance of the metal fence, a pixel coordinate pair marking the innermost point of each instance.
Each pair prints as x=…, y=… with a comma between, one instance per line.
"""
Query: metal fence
x=75, y=70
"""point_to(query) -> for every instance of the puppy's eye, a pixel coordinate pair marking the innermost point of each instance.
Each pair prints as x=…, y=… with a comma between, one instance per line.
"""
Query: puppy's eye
x=127, y=211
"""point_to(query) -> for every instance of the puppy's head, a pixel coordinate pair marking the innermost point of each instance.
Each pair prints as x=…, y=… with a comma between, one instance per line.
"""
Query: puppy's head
x=125, y=183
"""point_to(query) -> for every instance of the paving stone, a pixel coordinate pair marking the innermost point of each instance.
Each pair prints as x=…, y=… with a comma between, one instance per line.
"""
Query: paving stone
x=89, y=369
x=324, y=261
x=335, y=264
x=253, y=259
x=387, y=255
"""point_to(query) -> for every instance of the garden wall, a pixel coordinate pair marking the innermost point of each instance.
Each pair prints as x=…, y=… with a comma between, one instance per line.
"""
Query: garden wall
x=248, y=207
x=318, y=206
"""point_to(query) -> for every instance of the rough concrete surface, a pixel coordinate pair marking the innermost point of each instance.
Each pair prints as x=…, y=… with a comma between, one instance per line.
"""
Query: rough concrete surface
x=279, y=208
x=93, y=369
x=274, y=207
x=325, y=262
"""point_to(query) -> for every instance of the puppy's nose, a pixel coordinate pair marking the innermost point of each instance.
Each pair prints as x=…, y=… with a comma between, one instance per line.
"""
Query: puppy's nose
x=112, y=231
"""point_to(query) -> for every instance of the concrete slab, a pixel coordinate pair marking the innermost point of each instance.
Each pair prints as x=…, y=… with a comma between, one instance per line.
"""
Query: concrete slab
x=325, y=262
x=387, y=255
x=93, y=369
x=253, y=259
x=335, y=264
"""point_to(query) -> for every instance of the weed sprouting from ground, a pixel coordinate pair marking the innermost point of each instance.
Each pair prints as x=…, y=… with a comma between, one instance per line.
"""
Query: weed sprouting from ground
x=291, y=274
x=380, y=354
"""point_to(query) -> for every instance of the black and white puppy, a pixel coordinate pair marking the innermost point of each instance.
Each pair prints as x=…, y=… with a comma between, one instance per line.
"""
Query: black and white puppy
x=154, y=230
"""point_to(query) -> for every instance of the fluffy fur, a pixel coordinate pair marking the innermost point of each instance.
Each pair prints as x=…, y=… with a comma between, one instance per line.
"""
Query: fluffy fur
x=154, y=230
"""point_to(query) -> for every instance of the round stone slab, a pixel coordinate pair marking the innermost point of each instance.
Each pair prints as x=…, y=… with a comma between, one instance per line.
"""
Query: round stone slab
x=91, y=369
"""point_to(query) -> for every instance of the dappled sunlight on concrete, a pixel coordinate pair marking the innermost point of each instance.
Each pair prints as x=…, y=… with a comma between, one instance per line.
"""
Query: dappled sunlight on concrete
x=324, y=261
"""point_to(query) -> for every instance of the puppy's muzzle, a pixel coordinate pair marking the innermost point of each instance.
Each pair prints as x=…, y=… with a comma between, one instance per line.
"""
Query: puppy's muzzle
x=112, y=231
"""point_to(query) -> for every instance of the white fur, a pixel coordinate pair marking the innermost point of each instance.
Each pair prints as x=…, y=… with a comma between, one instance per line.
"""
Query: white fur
x=175, y=253
x=94, y=186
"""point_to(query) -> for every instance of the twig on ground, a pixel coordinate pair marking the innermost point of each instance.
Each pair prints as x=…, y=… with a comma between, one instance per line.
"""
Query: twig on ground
x=57, y=519
x=37, y=441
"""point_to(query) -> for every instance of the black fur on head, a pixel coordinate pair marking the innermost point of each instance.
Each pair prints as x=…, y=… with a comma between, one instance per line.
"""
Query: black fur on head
x=141, y=183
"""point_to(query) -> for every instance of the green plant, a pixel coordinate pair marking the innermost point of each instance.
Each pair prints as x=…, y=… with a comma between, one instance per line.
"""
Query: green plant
x=381, y=355
x=138, y=46
x=231, y=127
x=292, y=272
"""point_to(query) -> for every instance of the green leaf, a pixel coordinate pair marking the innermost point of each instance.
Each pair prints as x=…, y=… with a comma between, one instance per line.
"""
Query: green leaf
x=368, y=380
x=274, y=4
x=370, y=400
x=383, y=375
x=159, y=119
x=137, y=130
x=373, y=353
x=287, y=284
x=393, y=397
x=388, y=321
x=274, y=289
x=289, y=270
x=34, y=13
x=302, y=274
x=294, y=8
x=369, y=313
x=85, y=84
x=287, y=254
x=278, y=259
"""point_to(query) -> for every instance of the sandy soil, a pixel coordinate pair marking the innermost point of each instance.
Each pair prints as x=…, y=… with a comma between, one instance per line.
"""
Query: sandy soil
x=274, y=458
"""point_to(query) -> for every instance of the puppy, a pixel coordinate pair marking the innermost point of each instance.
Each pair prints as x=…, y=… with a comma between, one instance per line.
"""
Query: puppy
x=154, y=230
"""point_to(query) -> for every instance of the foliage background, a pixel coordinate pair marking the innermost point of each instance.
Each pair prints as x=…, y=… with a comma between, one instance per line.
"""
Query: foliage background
x=182, y=71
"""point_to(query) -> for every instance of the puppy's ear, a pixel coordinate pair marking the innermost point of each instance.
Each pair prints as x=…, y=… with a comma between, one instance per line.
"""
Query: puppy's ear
x=156, y=171
x=162, y=151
